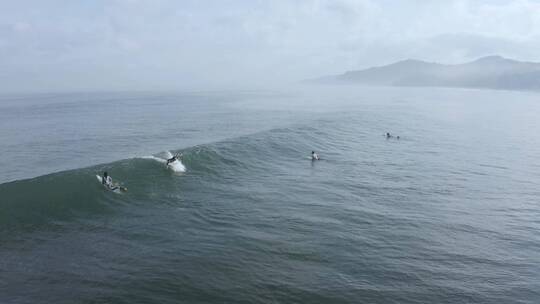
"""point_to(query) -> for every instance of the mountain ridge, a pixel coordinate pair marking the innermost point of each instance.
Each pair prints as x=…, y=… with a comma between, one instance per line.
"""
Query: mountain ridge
x=490, y=72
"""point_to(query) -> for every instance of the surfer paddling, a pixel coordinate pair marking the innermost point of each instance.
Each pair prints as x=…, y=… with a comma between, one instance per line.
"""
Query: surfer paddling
x=107, y=181
x=388, y=136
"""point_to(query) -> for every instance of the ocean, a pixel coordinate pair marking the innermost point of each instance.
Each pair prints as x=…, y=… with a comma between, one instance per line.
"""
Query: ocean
x=447, y=213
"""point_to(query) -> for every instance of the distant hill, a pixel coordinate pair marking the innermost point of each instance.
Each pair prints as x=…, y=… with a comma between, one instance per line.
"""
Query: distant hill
x=492, y=72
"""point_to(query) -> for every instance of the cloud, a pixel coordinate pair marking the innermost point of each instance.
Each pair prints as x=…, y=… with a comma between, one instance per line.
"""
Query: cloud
x=61, y=44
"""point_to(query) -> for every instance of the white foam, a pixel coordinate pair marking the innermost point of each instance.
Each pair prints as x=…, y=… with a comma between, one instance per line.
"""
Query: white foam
x=161, y=160
x=175, y=166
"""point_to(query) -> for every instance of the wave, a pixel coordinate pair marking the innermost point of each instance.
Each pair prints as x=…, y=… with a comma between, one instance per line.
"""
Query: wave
x=61, y=196
x=68, y=195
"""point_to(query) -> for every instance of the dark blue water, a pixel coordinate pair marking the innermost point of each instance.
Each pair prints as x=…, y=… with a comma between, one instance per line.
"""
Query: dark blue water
x=449, y=213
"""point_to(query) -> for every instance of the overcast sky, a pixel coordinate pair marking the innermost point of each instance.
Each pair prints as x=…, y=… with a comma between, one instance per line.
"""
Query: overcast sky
x=165, y=44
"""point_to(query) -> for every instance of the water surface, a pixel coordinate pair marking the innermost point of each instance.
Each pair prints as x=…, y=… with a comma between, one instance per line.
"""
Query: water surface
x=448, y=213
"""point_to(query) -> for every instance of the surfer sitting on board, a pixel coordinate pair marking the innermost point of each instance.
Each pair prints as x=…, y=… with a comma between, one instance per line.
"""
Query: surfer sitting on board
x=314, y=156
x=174, y=158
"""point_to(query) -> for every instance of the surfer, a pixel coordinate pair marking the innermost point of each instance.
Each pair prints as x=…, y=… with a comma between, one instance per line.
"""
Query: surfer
x=107, y=180
x=314, y=156
x=388, y=136
x=174, y=158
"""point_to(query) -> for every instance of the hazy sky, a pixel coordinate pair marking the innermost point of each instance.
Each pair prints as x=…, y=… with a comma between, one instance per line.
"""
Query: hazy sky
x=166, y=44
